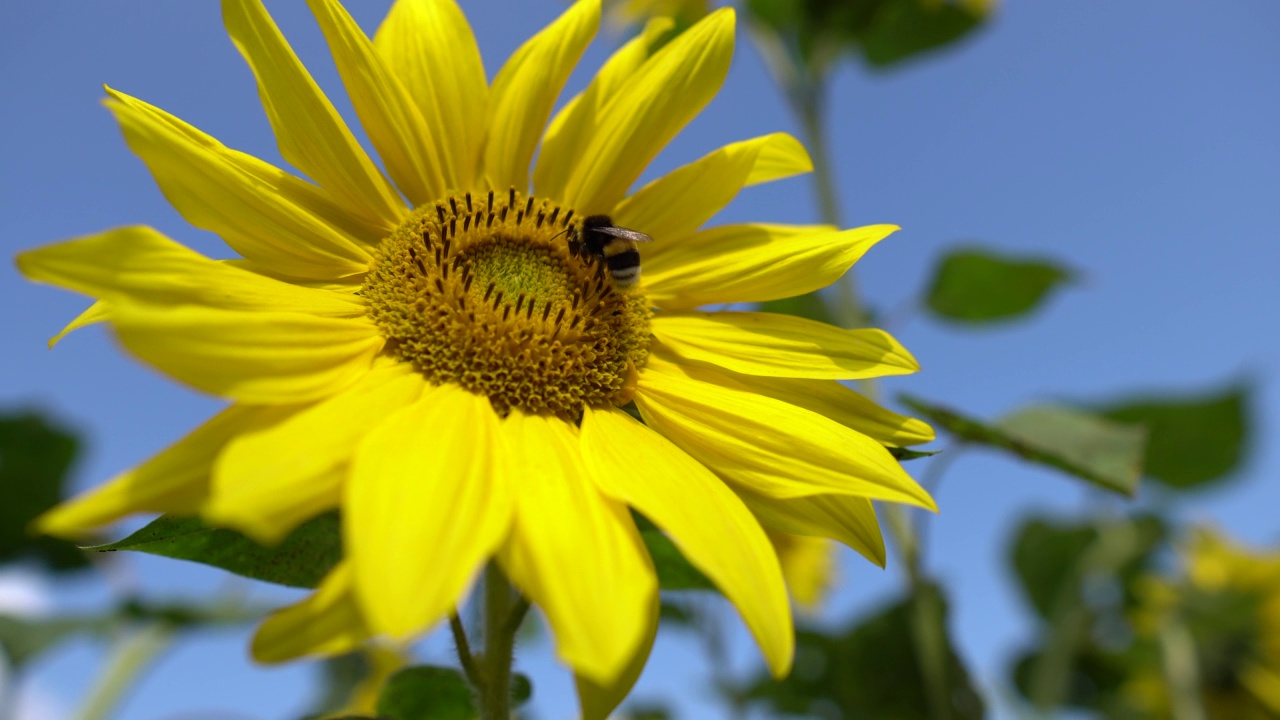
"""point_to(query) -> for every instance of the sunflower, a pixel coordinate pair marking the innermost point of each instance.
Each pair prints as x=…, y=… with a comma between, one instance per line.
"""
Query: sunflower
x=436, y=351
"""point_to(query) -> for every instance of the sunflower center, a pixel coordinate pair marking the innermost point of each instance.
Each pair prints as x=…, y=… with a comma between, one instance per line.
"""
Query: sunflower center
x=497, y=295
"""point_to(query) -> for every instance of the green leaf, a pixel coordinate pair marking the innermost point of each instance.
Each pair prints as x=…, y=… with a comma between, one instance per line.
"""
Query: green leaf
x=903, y=29
x=429, y=692
x=885, y=32
x=1095, y=681
x=24, y=638
x=1103, y=452
x=1046, y=557
x=905, y=454
x=878, y=668
x=1089, y=447
x=1049, y=557
x=677, y=614
x=675, y=572
x=1193, y=441
x=300, y=560
x=1082, y=580
x=339, y=678
x=34, y=459
x=973, y=286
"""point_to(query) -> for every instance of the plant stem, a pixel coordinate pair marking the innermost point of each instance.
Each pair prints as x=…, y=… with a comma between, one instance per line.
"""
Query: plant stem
x=810, y=102
x=130, y=655
x=1178, y=652
x=499, y=643
x=465, y=657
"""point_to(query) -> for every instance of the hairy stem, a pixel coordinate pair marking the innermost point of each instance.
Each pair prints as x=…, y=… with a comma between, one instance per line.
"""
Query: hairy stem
x=465, y=656
x=500, y=602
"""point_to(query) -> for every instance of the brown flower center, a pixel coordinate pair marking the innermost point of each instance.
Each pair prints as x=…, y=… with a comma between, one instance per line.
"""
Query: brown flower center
x=497, y=296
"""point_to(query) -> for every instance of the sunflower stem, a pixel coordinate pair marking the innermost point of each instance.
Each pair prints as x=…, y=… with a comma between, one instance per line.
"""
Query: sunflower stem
x=465, y=656
x=500, y=602
x=130, y=657
x=809, y=101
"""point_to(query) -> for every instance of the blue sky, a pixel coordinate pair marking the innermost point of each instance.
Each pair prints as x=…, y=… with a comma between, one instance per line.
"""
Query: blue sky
x=1134, y=141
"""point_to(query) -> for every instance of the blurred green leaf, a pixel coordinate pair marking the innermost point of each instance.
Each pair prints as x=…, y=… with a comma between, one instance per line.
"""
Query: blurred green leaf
x=884, y=32
x=34, y=459
x=426, y=692
x=675, y=613
x=675, y=572
x=1102, y=452
x=1081, y=578
x=339, y=678
x=874, y=668
x=1193, y=441
x=301, y=560
x=1094, y=682
x=1049, y=556
x=24, y=638
x=905, y=454
x=903, y=29
x=973, y=286
x=1045, y=558
x=429, y=692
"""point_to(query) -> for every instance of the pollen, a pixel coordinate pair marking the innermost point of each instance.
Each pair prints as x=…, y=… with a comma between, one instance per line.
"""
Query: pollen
x=496, y=294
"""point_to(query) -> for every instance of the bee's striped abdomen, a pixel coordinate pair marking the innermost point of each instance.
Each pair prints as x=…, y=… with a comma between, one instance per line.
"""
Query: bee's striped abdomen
x=623, y=264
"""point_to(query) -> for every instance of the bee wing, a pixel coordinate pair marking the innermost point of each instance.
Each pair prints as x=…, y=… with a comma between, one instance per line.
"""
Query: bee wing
x=625, y=234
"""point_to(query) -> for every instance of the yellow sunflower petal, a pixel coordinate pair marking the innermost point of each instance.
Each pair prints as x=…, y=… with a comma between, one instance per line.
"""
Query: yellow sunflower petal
x=847, y=518
x=395, y=125
x=429, y=46
x=304, y=194
x=782, y=345
x=597, y=700
x=845, y=406
x=175, y=480
x=765, y=445
x=752, y=263
x=657, y=101
x=636, y=465
x=424, y=509
x=258, y=357
x=326, y=623
x=572, y=128
x=311, y=134
x=526, y=89
x=348, y=285
x=267, y=482
x=678, y=203
x=141, y=265
x=95, y=313
x=260, y=211
x=575, y=552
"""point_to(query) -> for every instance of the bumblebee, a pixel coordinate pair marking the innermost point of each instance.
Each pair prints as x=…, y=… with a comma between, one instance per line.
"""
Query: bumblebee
x=615, y=246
